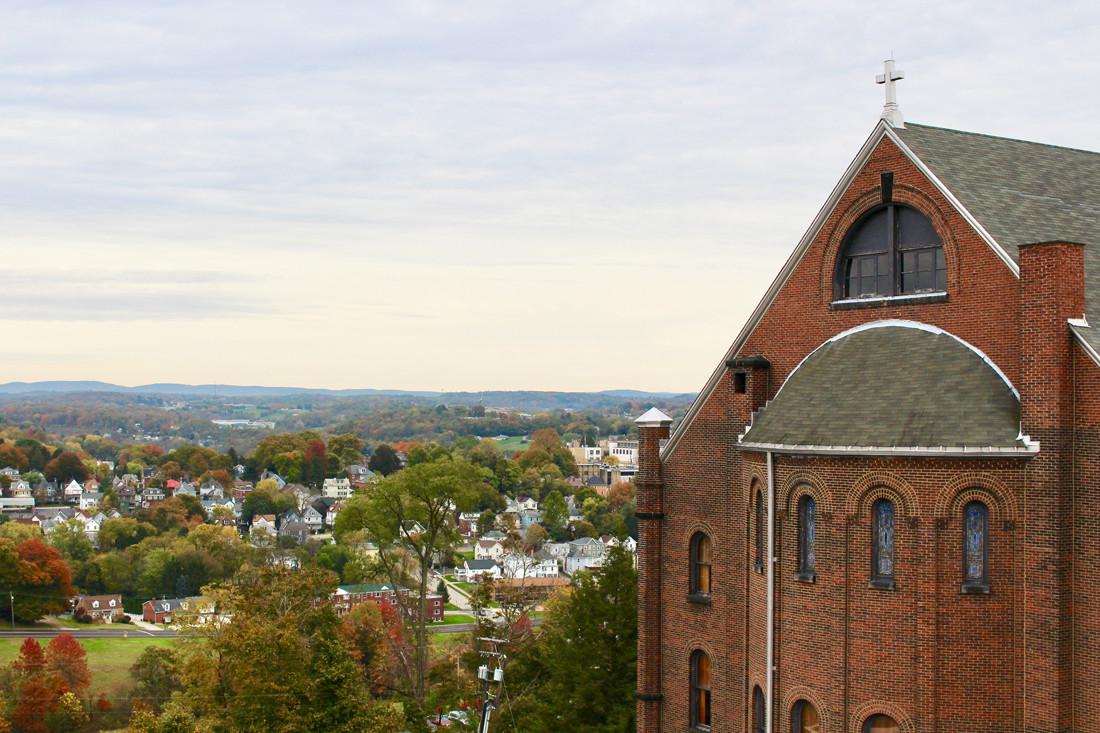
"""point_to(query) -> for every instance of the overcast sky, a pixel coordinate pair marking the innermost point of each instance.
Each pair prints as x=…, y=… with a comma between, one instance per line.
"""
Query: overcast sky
x=462, y=195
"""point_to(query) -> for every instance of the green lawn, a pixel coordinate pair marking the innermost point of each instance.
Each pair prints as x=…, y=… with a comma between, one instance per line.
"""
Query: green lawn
x=109, y=660
x=518, y=442
x=458, y=618
x=468, y=587
x=450, y=607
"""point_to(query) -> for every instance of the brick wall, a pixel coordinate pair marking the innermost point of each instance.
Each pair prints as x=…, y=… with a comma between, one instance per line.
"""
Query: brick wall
x=931, y=656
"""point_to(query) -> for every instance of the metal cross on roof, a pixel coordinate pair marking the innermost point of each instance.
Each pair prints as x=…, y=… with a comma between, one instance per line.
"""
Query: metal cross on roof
x=891, y=112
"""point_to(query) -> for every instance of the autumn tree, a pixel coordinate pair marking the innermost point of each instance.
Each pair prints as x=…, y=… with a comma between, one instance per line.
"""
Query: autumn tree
x=66, y=659
x=413, y=511
x=38, y=578
x=67, y=467
x=555, y=515
x=12, y=457
x=283, y=664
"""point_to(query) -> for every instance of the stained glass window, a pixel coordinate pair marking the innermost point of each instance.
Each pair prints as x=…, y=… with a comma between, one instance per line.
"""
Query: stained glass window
x=700, y=689
x=759, y=531
x=975, y=546
x=759, y=711
x=882, y=523
x=807, y=531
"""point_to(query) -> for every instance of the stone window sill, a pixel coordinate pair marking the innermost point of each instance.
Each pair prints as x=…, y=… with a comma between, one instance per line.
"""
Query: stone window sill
x=882, y=584
x=703, y=599
x=911, y=299
x=975, y=588
x=806, y=577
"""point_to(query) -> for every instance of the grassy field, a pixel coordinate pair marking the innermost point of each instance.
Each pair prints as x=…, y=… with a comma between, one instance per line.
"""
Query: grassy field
x=513, y=444
x=458, y=618
x=109, y=660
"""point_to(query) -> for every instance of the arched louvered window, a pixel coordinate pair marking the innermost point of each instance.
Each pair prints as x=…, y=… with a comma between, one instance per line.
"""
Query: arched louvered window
x=700, y=690
x=805, y=718
x=892, y=250
x=975, y=548
x=881, y=724
x=700, y=564
x=882, y=544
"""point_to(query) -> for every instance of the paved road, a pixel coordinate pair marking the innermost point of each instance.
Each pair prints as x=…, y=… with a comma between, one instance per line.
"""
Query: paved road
x=98, y=632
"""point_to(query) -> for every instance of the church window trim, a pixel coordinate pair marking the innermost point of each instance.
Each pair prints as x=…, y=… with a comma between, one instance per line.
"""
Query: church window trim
x=701, y=550
x=975, y=560
x=891, y=252
x=700, y=690
x=883, y=545
x=807, y=538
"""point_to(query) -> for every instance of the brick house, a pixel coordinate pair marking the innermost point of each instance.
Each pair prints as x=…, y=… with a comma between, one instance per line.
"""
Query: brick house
x=877, y=515
x=347, y=597
x=105, y=609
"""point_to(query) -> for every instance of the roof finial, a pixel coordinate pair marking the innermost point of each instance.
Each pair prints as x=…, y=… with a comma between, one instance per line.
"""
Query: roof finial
x=891, y=113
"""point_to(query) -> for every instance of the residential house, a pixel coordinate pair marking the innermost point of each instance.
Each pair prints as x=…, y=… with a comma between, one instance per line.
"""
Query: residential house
x=488, y=549
x=105, y=609
x=474, y=570
x=72, y=492
x=90, y=500
x=347, y=597
x=584, y=553
x=336, y=488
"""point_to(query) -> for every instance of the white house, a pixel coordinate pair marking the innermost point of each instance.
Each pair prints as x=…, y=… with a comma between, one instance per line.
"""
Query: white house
x=488, y=549
x=474, y=570
x=337, y=488
x=90, y=500
x=73, y=490
x=517, y=565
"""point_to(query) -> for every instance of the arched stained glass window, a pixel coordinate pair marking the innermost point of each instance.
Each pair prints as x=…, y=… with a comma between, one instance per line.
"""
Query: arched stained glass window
x=975, y=548
x=700, y=689
x=804, y=718
x=759, y=564
x=807, y=536
x=881, y=724
x=700, y=564
x=882, y=548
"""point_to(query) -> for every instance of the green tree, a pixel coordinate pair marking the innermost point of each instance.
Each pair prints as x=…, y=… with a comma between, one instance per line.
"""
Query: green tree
x=383, y=460
x=555, y=515
x=348, y=448
x=158, y=673
x=580, y=676
x=413, y=511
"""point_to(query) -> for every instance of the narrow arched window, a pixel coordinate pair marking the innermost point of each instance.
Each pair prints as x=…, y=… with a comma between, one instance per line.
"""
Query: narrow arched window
x=758, y=565
x=975, y=548
x=700, y=689
x=881, y=724
x=893, y=250
x=882, y=547
x=807, y=530
x=804, y=718
x=700, y=564
x=759, y=711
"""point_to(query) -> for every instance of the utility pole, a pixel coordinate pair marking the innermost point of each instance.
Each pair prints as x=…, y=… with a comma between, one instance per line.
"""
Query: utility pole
x=11, y=597
x=488, y=678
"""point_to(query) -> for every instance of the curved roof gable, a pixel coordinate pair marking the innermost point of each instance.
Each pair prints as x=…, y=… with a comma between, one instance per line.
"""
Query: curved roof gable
x=893, y=387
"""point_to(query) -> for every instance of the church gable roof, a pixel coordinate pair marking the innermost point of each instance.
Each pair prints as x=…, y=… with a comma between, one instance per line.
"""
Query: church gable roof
x=1021, y=192
x=1011, y=192
x=896, y=387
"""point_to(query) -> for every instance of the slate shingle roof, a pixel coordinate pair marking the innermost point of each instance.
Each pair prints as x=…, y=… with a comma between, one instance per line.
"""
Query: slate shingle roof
x=891, y=386
x=1022, y=192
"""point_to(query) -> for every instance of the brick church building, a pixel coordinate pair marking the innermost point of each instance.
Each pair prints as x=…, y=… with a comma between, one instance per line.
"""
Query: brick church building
x=882, y=512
